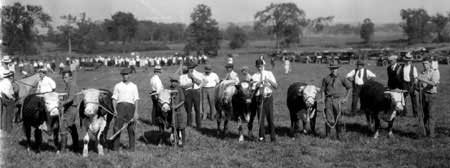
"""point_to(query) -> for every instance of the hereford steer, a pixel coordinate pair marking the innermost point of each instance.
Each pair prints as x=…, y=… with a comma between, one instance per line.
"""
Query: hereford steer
x=37, y=109
x=233, y=102
x=164, y=117
x=301, y=102
x=374, y=99
x=95, y=115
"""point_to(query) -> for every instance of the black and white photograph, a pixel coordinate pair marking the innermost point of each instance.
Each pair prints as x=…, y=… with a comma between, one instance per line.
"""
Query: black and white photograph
x=225, y=83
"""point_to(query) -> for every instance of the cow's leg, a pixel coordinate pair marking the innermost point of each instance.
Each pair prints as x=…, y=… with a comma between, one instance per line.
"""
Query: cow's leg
x=369, y=119
x=250, y=124
x=99, y=135
x=161, y=135
x=376, y=119
x=56, y=136
x=241, y=136
x=390, y=125
x=27, y=130
x=225, y=128
x=85, y=144
x=38, y=139
x=312, y=124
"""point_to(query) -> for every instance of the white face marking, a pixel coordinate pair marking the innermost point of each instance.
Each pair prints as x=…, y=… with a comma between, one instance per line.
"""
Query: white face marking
x=164, y=99
x=309, y=93
x=398, y=100
x=245, y=85
x=51, y=102
x=91, y=98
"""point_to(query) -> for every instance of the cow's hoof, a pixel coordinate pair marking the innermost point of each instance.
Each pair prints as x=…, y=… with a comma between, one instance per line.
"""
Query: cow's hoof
x=85, y=153
x=241, y=138
x=391, y=135
x=304, y=131
x=58, y=152
x=28, y=149
x=375, y=136
x=100, y=151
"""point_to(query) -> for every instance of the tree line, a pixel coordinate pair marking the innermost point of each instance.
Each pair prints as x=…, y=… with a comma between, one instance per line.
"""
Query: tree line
x=285, y=23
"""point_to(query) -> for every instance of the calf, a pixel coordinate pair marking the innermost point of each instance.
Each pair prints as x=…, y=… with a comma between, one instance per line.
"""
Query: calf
x=301, y=102
x=95, y=115
x=37, y=109
x=374, y=99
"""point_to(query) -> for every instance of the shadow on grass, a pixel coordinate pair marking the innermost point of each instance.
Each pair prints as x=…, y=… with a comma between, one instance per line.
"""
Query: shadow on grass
x=153, y=137
x=442, y=130
x=364, y=129
x=145, y=121
x=44, y=146
x=212, y=132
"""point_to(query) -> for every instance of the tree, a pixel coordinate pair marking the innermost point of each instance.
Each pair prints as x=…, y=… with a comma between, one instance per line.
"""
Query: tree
x=319, y=23
x=416, y=25
x=20, y=27
x=440, y=21
x=203, y=33
x=367, y=30
x=236, y=35
x=79, y=33
x=284, y=21
x=68, y=29
x=122, y=26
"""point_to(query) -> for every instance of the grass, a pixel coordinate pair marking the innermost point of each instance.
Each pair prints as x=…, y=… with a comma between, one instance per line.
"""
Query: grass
x=204, y=149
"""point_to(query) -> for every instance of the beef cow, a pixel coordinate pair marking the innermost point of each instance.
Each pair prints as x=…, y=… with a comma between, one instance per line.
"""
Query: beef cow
x=37, y=109
x=302, y=104
x=95, y=117
x=233, y=102
x=378, y=103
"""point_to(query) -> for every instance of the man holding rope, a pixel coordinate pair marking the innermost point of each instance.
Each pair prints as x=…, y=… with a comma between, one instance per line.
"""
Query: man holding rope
x=336, y=90
x=70, y=114
x=125, y=102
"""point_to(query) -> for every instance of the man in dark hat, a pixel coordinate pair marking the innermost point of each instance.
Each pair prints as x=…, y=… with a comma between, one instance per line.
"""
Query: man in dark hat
x=336, y=91
x=156, y=86
x=7, y=101
x=125, y=102
x=393, y=71
x=230, y=74
x=70, y=114
x=428, y=82
x=266, y=83
x=358, y=77
x=408, y=73
x=190, y=82
x=210, y=81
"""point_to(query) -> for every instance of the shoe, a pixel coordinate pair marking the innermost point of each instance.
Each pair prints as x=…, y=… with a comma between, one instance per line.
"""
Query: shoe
x=261, y=139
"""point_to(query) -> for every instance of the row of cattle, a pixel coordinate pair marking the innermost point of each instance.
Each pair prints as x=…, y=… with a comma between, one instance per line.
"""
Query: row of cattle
x=236, y=101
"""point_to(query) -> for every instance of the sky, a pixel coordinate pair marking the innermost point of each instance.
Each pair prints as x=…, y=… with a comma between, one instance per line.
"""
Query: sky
x=237, y=11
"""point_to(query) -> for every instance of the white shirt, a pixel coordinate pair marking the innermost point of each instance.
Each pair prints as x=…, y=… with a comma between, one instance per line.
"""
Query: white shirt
x=6, y=88
x=360, y=75
x=185, y=80
x=46, y=85
x=3, y=70
x=406, y=71
x=232, y=76
x=156, y=84
x=265, y=75
x=125, y=92
x=210, y=80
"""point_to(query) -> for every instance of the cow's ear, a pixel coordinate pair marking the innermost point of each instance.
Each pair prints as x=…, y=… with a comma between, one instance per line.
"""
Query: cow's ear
x=301, y=88
x=317, y=89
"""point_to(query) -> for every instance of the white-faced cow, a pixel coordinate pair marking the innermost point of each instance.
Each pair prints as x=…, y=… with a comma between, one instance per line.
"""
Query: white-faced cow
x=233, y=102
x=40, y=108
x=95, y=115
x=164, y=117
x=302, y=104
x=378, y=103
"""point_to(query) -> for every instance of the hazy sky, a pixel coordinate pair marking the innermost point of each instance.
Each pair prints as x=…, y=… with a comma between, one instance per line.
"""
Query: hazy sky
x=224, y=11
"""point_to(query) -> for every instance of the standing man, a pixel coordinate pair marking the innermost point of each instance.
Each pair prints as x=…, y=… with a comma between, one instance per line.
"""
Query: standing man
x=230, y=74
x=70, y=114
x=336, y=91
x=393, y=73
x=156, y=86
x=210, y=80
x=7, y=101
x=266, y=83
x=46, y=84
x=4, y=66
x=125, y=102
x=190, y=81
x=409, y=75
x=428, y=81
x=358, y=77
x=245, y=74
x=180, y=116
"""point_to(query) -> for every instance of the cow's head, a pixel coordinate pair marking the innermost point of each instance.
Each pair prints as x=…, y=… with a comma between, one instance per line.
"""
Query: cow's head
x=397, y=99
x=228, y=93
x=164, y=99
x=309, y=93
x=91, y=98
x=51, y=100
x=245, y=93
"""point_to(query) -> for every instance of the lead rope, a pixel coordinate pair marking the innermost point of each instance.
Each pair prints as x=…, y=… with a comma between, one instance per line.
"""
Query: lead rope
x=333, y=125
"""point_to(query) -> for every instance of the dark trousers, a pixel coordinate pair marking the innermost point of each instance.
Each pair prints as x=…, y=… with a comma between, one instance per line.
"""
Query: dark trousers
x=208, y=96
x=355, y=97
x=7, y=115
x=154, y=109
x=425, y=117
x=332, y=110
x=68, y=127
x=192, y=98
x=413, y=97
x=125, y=112
x=266, y=113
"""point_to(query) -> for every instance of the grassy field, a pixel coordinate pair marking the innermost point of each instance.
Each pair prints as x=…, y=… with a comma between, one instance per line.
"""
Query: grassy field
x=204, y=149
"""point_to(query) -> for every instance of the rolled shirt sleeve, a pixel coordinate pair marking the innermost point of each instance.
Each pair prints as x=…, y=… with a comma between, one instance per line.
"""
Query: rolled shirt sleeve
x=350, y=74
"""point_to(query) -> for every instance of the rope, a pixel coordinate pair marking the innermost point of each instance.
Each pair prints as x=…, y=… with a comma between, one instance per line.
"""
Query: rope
x=333, y=125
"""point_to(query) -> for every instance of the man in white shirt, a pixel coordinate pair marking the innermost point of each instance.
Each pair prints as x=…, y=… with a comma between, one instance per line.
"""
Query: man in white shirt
x=4, y=66
x=46, y=84
x=358, y=76
x=265, y=83
x=190, y=81
x=409, y=75
x=156, y=86
x=230, y=74
x=210, y=81
x=7, y=101
x=125, y=102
